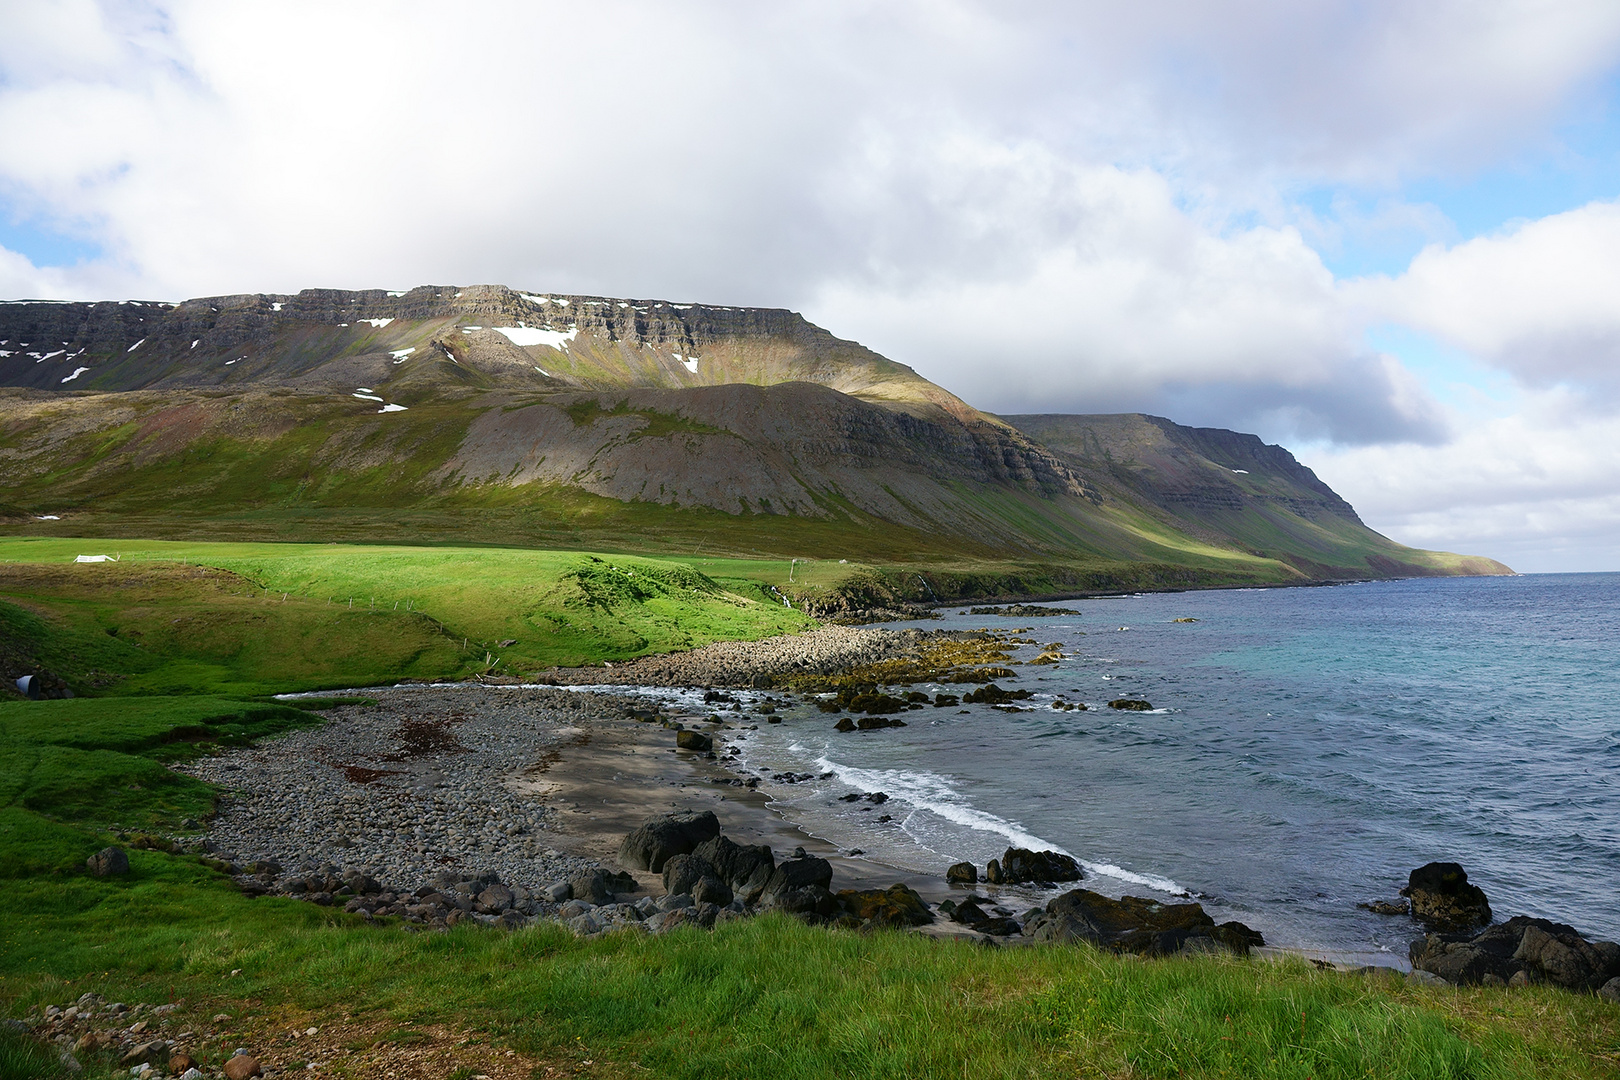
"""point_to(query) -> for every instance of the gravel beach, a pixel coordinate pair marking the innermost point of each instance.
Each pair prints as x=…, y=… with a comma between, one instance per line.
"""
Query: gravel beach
x=823, y=651
x=422, y=783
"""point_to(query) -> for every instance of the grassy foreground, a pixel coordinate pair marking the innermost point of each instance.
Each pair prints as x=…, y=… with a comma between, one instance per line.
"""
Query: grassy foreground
x=766, y=998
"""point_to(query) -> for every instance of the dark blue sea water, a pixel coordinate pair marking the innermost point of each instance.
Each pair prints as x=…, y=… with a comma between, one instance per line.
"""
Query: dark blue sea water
x=1308, y=747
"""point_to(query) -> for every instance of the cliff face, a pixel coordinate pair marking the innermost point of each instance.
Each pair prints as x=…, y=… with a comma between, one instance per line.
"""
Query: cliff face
x=518, y=340
x=486, y=396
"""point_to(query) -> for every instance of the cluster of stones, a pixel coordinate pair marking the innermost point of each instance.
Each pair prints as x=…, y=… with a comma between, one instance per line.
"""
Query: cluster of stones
x=135, y=1036
x=1131, y=924
x=1023, y=611
x=706, y=872
x=1465, y=948
x=827, y=650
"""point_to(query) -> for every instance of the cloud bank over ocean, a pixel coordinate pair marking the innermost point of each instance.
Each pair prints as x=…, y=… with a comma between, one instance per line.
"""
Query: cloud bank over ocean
x=1389, y=237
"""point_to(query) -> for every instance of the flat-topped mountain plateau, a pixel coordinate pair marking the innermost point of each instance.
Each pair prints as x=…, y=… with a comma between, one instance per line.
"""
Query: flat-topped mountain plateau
x=493, y=415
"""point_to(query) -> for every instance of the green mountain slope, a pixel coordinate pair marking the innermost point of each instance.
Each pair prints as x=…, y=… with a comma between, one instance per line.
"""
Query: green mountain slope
x=489, y=415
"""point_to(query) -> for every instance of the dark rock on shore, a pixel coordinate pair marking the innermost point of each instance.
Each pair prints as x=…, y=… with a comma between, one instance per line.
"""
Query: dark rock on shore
x=1130, y=704
x=599, y=886
x=895, y=907
x=1443, y=899
x=745, y=868
x=1519, y=951
x=971, y=914
x=108, y=862
x=654, y=841
x=1136, y=925
x=1020, y=865
x=801, y=886
x=695, y=875
x=963, y=873
x=1023, y=611
x=693, y=740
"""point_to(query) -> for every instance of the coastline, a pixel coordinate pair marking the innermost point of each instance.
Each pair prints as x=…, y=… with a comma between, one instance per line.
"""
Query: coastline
x=954, y=802
x=592, y=773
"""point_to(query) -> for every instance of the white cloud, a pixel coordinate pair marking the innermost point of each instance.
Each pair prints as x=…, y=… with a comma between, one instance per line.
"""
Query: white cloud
x=1539, y=489
x=1538, y=300
x=1089, y=289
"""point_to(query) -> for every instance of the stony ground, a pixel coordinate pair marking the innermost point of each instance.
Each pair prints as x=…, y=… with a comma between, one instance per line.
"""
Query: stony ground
x=153, y=1041
x=422, y=785
x=753, y=663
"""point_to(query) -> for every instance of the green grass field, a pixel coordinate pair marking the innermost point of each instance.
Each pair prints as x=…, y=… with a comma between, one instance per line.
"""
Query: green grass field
x=174, y=617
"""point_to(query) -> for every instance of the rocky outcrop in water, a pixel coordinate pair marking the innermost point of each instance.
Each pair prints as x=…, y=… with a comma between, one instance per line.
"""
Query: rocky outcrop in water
x=1444, y=899
x=1021, y=865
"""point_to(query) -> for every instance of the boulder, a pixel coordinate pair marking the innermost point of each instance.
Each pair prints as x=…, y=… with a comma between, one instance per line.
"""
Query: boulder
x=681, y=872
x=242, y=1066
x=1130, y=705
x=593, y=887
x=693, y=740
x=108, y=862
x=1443, y=899
x=1522, y=951
x=694, y=875
x=1021, y=865
x=1610, y=991
x=969, y=913
x=746, y=868
x=963, y=873
x=710, y=891
x=996, y=926
x=1136, y=925
x=994, y=695
x=897, y=906
x=801, y=887
x=655, y=840
x=179, y=1063
x=494, y=900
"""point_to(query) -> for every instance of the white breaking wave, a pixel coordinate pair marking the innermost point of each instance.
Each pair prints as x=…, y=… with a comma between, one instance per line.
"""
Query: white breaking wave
x=1149, y=881
x=933, y=793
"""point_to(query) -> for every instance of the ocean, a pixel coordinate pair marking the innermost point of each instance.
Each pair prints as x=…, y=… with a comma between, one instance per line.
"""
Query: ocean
x=1307, y=748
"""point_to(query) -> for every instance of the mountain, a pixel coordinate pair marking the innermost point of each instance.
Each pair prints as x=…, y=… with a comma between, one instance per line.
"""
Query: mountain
x=490, y=414
x=1231, y=488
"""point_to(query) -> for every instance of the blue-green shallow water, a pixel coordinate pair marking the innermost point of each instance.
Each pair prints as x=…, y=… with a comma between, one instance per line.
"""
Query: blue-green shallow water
x=1308, y=748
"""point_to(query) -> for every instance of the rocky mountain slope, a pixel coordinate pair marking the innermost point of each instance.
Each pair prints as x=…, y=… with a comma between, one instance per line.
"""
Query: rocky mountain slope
x=554, y=415
x=1226, y=487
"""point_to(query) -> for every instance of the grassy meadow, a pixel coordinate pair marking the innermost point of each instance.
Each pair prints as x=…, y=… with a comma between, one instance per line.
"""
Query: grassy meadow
x=255, y=618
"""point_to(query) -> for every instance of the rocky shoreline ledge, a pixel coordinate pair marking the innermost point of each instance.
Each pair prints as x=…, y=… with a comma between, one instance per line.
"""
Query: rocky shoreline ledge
x=827, y=650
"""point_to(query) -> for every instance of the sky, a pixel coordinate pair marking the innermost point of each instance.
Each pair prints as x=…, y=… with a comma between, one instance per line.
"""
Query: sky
x=1384, y=234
